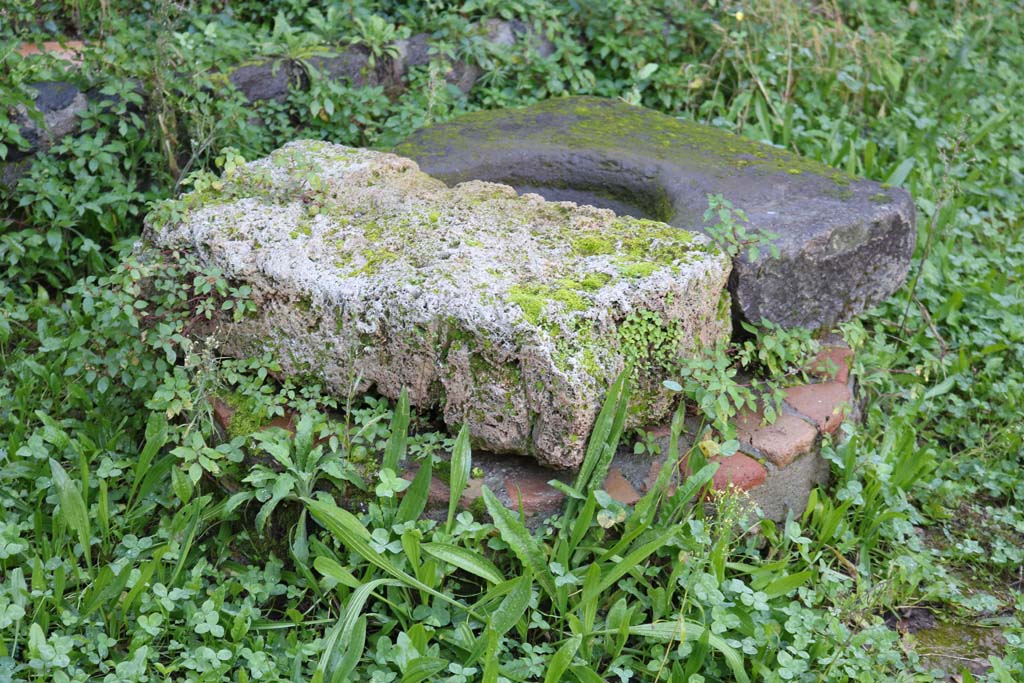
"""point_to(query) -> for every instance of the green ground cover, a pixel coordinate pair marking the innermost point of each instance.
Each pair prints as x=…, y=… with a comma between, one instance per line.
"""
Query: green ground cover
x=136, y=545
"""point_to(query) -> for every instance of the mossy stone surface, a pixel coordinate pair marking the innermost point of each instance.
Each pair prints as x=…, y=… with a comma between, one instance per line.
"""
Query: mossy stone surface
x=509, y=312
x=844, y=243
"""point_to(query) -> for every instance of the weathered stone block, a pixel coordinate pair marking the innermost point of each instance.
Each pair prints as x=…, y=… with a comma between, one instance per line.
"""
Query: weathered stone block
x=845, y=244
x=59, y=102
x=271, y=79
x=511, y=312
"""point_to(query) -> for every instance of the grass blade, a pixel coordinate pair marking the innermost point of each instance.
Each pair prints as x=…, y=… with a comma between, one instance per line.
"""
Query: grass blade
x=645, y=506
x=472, y=562
x=415, y=500
x=519, y=539
x=347, y=528
x=354, y=608
x=353, y=653
x=461, y=465
x=104, y=590
x=335, y=664
x=668, y=631
x=633, y=559
x=697, y=656
x=562, y=659
x=423, y=669
x=331, y=569
x=513, y=606
x=156, y=438
x=491, y=667
x=785, y=584
x=899, y=174
x=588, y=604
x=72, y=507
x=142, y=582
x=581, y=524
x=399, y=434
x=693, y=483
x=584, y=674
x=606, y=433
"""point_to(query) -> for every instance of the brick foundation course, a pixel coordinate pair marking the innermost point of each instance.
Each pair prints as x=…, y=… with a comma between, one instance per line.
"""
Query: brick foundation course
x=776, y=467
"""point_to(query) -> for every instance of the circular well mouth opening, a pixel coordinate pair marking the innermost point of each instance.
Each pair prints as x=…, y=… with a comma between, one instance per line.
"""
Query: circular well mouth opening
x=623, y=185
x=624, y=201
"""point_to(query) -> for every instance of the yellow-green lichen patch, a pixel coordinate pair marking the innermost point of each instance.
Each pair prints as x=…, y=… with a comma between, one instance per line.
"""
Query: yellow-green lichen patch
x=534, y=299
x=724, y=314
x=373, y=259
x=594, y=281
x=532, y=304
x=572, y=300
x=638, y=247
x=637, y=270
x=303, y=229
x=592, y=245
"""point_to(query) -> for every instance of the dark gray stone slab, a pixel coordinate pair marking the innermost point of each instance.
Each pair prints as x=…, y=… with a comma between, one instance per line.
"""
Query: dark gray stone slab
x=268, y=80
x=415, y=50
x=350, y=65
x=57, y=105
x=845, y=243
x=54, y=95
x=59, y=102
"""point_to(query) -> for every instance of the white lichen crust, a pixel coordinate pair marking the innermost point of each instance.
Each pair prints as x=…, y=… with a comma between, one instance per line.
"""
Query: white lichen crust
x=510, y=313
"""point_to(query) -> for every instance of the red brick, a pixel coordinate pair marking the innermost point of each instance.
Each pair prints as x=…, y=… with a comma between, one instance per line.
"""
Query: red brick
x=780, y=442
x=538, y=497
x=824, y=404
x=659, y=431
x=747, y=422
x=472, y=492
x=832, y=363
x=285, y=422
x=739, y=470
x=222, y=412
x=439, y=493
x=619, y=488
x=71, y=51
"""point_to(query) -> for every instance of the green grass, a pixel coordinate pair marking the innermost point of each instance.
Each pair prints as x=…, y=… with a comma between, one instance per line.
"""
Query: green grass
x=136, y=544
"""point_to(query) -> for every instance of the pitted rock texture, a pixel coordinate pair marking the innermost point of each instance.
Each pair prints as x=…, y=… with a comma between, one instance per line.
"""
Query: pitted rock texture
x=845, y=244
x=510, y=312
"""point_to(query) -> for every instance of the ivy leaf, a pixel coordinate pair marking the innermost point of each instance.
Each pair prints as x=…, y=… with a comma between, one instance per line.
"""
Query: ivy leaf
x=646, y=72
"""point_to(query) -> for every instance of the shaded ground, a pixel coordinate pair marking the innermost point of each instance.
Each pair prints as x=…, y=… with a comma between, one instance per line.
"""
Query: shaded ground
x=949, y=646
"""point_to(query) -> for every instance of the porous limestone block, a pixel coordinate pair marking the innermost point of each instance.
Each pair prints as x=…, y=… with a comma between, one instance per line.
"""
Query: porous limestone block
x=510, y=313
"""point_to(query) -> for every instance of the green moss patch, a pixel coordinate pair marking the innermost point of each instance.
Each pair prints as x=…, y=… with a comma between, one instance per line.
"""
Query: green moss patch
x=247, y=418
x=535, y=298
x=638, y=246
